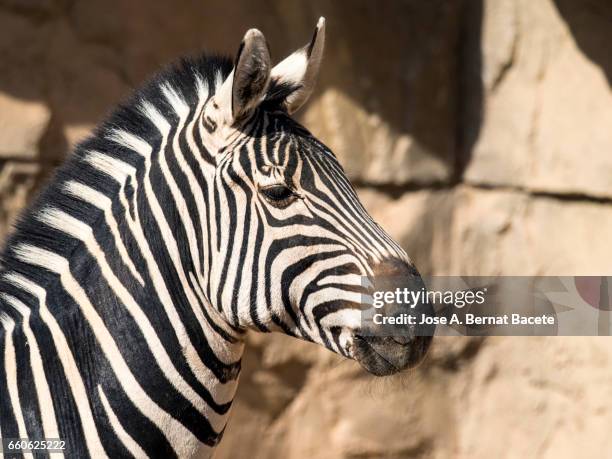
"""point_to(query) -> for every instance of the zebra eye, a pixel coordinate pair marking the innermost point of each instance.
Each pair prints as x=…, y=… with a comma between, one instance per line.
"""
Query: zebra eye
x=279, y=195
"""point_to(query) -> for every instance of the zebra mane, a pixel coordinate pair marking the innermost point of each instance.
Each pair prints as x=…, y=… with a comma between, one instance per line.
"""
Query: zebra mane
x=183, y=76
x=191, y=78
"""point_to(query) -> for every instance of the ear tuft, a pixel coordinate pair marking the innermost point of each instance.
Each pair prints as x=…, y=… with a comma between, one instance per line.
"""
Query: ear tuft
x=296, y=75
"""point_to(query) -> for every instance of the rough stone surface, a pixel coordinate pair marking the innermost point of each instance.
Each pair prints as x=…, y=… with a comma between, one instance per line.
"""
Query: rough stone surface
x=479, y=135
x=22, y=124
x=17, y=182
x=554, y=406
x=479, y=232
x=391, y=120
x=548, y=106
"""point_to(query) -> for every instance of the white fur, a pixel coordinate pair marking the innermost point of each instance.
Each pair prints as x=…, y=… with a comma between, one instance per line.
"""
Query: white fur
x=103, y=202
x=291, y=69
x=181, y=439
x=10, y=367
x=133, y=142
x=43, y=393
x=114, y=168
x=132, y=446
x=79, y=230
x=77, y=387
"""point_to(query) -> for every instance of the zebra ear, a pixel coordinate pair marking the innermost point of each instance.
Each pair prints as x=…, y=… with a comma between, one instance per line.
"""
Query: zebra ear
x=247, y=84
x=293, y=79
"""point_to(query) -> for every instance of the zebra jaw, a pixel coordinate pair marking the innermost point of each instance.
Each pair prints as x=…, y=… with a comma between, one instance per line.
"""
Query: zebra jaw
x=384, y=350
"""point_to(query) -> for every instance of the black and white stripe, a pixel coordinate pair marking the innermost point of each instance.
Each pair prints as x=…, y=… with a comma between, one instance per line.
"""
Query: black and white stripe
x=127, y=288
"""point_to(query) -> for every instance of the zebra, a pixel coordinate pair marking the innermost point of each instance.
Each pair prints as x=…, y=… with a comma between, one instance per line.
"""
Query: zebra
x=198, y=211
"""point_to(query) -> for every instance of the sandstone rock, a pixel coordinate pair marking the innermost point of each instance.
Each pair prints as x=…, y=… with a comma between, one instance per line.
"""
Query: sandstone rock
x=509, y=233
x=481, y=232
x=554, y=406
x=368, y=146
x=22, y=124
x=75, y=133
x=390, y=119
x=541, y=88
x=573, y=156
x=489, y=235
x=569, y=238
x=500, y=34
x=17, y=182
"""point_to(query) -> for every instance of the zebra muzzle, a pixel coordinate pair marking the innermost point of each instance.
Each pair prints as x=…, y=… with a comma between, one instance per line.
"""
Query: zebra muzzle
x=384, y=355
x=400, y=336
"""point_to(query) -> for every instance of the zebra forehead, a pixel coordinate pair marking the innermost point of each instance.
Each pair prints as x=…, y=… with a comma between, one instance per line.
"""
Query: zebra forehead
x=274, y=138
x=288, y=155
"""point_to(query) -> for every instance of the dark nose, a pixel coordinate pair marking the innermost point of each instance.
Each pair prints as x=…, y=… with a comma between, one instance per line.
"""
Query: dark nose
x=404, y=336
x=394, y=267
x=410, y=297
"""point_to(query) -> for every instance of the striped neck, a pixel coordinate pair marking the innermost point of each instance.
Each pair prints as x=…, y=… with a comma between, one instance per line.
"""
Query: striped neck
x=116, y=247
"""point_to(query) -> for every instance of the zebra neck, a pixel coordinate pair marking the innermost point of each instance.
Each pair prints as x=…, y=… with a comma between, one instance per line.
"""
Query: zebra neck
x=116, y=266
x=106, y=280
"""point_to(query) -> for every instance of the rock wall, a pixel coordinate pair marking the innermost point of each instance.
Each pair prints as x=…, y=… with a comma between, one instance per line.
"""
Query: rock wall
x=478, y=133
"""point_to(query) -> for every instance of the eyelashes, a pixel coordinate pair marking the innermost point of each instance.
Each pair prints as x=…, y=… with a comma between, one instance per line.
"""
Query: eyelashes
x=279, y=195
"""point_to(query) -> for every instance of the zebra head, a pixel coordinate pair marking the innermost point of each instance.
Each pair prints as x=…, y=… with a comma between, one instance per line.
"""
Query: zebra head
x=302, y=252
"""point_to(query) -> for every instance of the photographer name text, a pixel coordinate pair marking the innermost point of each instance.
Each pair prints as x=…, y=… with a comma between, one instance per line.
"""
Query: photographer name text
x=464, y=319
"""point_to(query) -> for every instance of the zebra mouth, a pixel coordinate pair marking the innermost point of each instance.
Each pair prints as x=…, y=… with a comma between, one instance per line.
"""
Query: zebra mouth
x=387, y=355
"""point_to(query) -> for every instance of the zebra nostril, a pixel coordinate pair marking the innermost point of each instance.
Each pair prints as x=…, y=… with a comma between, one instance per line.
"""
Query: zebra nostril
x=399, y=292
x=395, y=268
x=403, y=340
